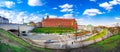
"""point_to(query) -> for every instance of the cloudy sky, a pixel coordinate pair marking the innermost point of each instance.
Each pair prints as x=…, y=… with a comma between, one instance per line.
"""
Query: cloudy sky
x=96, y=12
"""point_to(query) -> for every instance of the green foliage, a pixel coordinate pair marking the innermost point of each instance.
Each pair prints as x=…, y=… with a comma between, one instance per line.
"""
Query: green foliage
x=102, y=33
x=20, y=41
x=8, y=48
x=52, y=30
x=8, y=35
x=0, y=39
x=108, y=44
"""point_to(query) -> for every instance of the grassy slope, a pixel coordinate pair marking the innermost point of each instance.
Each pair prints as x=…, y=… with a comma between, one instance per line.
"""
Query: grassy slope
x=108, y=44
x=52, y=30
x=104, y=31
x=18, y=40
x=9, y=48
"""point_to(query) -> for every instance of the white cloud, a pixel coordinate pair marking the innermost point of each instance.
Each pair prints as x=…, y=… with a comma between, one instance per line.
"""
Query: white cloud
x=117, y=18
x=91, y=12
x=113, y=24
x=64, y=16
x=106, y=5
x=16, y=17
x=114, y=2
x=109, y=5
x=80, y=21
x=54, y=8
x=53, y=16
x=8, y=4
x=66, y=8
x=68, y=16
x=35, y=2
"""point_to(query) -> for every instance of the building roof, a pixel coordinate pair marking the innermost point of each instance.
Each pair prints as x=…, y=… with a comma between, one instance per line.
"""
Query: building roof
x=58, y=20
x=3, y=18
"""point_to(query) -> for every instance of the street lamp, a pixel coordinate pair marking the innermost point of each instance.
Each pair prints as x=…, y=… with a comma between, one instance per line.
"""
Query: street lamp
x=76, y=29
x=18, y=29
x=23, y=20
x=76, y=33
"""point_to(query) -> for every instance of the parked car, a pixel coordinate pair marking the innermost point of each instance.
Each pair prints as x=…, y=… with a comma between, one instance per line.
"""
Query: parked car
x=24, y=34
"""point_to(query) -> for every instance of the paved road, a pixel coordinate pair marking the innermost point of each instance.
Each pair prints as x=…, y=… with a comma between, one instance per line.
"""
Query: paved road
x=63, y=41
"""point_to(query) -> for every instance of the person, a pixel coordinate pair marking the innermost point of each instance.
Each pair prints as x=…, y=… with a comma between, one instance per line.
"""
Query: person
x=72, y=42
x=69, y=36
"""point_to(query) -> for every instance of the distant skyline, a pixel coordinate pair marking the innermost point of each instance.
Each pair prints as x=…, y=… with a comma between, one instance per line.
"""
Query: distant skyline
x=96, y=12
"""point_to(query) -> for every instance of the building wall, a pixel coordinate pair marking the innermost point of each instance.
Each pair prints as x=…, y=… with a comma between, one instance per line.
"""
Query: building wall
x=21, y=27
x=70, y=23
x=39, y=24
x=85, y=27
x=3, y=20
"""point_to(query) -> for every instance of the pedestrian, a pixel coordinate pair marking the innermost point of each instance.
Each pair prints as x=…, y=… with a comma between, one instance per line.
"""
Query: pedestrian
x=69, y=36
x=72, y=42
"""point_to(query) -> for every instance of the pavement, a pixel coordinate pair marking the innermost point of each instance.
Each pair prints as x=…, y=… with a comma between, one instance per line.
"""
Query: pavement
x=62, y=41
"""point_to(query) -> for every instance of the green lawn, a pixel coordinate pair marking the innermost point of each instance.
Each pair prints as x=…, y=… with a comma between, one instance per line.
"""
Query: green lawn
x=18, y=40
x=9, y=48
x=8, y=35
x=108, y=44
x=52, y=30
x=102, y=33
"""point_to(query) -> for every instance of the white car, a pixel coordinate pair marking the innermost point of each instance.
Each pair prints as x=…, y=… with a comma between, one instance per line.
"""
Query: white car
x=49, y=41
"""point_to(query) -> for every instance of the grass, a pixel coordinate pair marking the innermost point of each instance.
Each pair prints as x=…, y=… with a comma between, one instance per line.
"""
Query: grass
x=108, y=44
x=102, y=33
x=20, y=41
x=8, y=35
x=52, y=30
x=0, y=39
x=9, y=48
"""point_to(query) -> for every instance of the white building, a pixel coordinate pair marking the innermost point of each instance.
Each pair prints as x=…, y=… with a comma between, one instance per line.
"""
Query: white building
x=3, y=20
x=86, y=27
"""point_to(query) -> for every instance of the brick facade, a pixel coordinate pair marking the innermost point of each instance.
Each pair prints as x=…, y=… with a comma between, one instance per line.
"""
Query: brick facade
x=59, y=22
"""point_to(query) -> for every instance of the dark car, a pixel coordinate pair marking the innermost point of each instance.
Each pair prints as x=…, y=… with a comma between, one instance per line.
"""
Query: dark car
x=24, y=34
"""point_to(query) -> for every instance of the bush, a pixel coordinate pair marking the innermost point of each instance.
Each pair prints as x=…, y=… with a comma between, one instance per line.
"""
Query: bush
x=104, y=31
x=52, y=30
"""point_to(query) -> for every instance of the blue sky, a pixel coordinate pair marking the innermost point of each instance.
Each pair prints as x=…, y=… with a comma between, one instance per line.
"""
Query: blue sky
x=96, y=12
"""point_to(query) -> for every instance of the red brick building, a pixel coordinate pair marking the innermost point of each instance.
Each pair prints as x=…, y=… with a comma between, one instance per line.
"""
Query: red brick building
x=59, y=22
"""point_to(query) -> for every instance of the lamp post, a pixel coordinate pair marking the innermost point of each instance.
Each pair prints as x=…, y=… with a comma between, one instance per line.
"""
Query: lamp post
x=76, y=29
x=18, y=29
x=23, y=20
x=76, y=33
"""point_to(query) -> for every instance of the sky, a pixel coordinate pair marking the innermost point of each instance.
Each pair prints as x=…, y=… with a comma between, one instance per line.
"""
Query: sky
x=96, y=12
